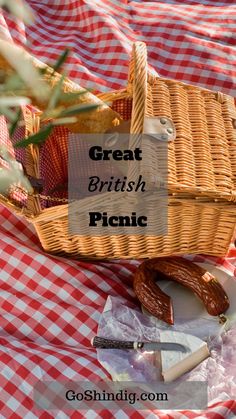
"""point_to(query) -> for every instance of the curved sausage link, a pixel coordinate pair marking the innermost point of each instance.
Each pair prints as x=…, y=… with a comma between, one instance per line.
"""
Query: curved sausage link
x=187, y=273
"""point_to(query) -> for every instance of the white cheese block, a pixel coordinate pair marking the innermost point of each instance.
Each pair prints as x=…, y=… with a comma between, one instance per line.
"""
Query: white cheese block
x=175, y=363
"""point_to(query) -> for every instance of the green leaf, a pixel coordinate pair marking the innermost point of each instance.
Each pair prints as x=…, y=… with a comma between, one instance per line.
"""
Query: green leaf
x=42, y=70
x=66, y=120
x=11, y=116
x=56, y=93
x=61, y=60
x=10, y=101
x=15, y=124
x=76, y=109
x=21, y=10
x=20, y=62
x=67, y=97
x=14, y=83
x=38, y=138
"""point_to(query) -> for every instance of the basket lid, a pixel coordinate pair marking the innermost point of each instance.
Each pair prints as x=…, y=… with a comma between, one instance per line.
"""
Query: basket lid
x=202, y=157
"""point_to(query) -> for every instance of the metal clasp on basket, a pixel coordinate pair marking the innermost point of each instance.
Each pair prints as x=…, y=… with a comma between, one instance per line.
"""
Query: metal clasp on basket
x=159, y=127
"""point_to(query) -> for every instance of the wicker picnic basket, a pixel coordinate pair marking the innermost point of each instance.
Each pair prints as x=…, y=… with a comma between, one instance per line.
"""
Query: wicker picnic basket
x=201, y=172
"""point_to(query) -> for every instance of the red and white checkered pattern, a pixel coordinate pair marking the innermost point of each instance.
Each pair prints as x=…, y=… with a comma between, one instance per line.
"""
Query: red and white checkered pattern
x=186, y=40
x=50, y=306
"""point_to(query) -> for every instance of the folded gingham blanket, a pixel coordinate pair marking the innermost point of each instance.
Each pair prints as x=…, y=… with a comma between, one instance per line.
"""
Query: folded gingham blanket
x=50, y=307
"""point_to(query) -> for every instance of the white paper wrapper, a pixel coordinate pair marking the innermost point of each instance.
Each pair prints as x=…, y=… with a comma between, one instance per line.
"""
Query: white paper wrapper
x=119, y=321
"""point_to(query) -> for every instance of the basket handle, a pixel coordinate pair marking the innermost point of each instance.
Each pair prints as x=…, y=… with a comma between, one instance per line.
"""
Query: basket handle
x=137, y=83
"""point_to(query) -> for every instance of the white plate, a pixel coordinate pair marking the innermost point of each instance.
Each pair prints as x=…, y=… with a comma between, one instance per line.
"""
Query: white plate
x=190, y=315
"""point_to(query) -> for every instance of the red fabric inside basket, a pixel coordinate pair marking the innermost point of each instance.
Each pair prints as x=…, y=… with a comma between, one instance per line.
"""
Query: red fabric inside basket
x=54, y=170
x=54, y=165
x=15, y=195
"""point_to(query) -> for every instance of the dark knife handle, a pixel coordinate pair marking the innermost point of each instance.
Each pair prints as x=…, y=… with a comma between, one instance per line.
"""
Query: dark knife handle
x=104, y=343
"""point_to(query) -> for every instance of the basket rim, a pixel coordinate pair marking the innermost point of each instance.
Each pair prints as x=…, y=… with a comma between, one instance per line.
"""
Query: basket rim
x=139, y=54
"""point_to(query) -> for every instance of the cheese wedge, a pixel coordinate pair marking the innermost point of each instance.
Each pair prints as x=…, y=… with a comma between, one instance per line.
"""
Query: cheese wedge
x=174, y=363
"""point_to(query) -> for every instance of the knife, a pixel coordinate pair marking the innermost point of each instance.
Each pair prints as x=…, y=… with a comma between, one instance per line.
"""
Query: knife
x=103, y=343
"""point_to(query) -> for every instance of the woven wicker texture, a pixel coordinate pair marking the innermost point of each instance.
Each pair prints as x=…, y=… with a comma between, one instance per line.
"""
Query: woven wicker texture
x=201, y=228
x=201, y=163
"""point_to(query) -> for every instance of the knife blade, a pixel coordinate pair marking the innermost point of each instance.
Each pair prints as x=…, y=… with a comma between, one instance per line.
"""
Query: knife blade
x=104, y=343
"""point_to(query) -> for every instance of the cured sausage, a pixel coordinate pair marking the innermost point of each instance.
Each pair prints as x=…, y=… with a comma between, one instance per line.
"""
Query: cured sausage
x=202, y=283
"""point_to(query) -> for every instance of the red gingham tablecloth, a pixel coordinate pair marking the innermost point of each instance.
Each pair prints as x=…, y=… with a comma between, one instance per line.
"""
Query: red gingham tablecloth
x=50, y=307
